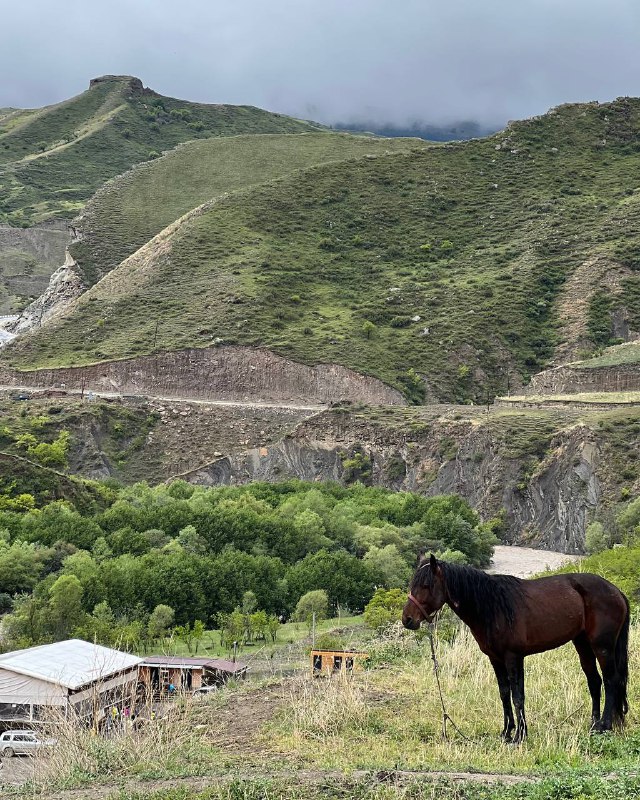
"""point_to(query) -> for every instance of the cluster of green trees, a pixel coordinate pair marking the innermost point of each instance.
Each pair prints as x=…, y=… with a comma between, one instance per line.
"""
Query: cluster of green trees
x=198, y=551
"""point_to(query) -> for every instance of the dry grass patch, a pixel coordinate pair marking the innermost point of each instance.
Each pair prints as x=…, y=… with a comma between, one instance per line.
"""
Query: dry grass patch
x=173, y=745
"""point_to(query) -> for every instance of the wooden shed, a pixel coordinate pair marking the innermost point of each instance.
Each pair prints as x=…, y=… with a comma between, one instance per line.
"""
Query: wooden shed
x=332, y=662
x=163, y=676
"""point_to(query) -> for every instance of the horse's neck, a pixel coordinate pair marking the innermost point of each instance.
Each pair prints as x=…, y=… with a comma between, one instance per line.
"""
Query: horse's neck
x=463, y=606
x=467, y=614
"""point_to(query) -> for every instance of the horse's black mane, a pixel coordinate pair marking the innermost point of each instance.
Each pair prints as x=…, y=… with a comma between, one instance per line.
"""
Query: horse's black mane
x=493, y=597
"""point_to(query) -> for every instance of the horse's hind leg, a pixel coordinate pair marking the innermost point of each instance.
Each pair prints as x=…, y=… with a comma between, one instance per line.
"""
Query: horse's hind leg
x=505, y=695
x=605, y=653
x=590, y=669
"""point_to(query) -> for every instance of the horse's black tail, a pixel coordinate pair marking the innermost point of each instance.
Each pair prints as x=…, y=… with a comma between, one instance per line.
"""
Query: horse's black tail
x=622, y=670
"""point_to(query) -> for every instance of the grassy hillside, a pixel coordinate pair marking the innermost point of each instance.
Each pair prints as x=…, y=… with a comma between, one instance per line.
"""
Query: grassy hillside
x=53, y=159
x=19, y=476
x=613, y=357
x=437, y=270
x=133, y=208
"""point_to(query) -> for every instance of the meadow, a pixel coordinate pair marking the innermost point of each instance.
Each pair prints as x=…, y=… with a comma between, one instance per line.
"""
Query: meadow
x=377, y=736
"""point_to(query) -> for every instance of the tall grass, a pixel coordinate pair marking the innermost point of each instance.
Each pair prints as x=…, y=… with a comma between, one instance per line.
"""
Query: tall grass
x=169, y=746
x=393, y=715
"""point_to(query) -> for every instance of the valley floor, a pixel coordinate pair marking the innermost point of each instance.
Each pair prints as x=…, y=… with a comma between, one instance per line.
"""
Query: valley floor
x=525, y=561
x=376, y=737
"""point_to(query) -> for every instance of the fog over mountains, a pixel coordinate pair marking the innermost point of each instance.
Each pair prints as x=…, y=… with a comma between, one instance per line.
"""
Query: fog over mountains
x=335, y=62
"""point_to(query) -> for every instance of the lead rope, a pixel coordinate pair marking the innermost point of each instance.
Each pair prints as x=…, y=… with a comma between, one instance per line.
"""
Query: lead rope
x=436, y=671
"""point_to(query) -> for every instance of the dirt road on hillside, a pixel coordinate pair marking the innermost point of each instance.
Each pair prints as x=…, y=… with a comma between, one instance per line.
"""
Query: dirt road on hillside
x=156, y=398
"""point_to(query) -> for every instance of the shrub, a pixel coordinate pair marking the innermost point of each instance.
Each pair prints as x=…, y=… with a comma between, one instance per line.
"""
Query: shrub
x=596, y=539
x=368, y=329
x=312, y=602
x=384, y=608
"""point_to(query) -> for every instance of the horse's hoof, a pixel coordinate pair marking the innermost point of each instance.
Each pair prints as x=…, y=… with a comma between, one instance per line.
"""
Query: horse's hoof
x=599, y=728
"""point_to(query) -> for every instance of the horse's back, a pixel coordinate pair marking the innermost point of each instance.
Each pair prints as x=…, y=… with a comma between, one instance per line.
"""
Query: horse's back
x=558, y=608
x=600, y=595
x=592, y=585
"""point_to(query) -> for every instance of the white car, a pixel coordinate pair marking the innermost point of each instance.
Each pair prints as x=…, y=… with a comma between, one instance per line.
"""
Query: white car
x=27, y=742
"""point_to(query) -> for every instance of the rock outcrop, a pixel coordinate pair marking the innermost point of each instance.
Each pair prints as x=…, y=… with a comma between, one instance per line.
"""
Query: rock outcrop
x=574, y=378
x=64, y=287
x=547, y=505
x=231, y=373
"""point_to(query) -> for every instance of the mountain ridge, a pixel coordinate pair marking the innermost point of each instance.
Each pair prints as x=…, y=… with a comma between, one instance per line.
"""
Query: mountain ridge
x=439, y=270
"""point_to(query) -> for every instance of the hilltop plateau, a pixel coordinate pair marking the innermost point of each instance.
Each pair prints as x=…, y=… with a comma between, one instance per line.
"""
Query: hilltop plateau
x=53, y=159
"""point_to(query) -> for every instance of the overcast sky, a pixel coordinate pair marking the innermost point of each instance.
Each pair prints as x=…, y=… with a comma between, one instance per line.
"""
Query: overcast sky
x=394, y=61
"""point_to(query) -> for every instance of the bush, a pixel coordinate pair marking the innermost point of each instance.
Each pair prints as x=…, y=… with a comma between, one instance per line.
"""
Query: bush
x=368, y=329
x=384, y=608
x=596, y=539
x=312, y=602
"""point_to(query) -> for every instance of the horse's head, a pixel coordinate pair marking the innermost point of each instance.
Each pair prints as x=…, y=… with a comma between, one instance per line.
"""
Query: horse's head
x=427, y=594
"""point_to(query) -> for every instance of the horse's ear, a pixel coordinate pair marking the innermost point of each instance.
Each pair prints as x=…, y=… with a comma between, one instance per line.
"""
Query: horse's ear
x=420, y=558
x=434, y=562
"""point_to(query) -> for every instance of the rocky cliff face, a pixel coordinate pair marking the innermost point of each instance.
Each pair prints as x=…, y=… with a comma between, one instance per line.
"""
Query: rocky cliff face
x=571, y=379
x=64, y=287
x=28, y=256
x=236, y=374
x=547, y=501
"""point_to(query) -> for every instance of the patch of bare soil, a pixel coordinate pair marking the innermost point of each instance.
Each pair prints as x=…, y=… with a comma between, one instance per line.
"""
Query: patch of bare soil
x=525, y=561
x=238, y=723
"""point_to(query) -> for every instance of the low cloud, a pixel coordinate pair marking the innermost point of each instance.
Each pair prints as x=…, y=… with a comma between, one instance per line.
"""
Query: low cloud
x=335, y=60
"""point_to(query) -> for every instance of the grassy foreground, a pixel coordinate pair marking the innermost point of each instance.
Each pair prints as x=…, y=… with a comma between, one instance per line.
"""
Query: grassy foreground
x=392, y=716
x=375, y=737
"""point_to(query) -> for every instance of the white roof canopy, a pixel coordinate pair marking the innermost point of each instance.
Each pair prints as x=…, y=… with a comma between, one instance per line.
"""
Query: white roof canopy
x=72, y=663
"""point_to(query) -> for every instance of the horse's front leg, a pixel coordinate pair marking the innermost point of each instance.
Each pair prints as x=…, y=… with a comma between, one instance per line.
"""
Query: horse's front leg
x=515, y=670
x=505, y=695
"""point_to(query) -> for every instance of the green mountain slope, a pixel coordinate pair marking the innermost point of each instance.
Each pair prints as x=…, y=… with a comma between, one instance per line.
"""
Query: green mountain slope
x=19, y=476
x=136, y=206
x=53, y=159
x=438, y=271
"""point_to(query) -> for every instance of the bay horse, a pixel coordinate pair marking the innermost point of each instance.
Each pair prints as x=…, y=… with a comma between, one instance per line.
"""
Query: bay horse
x=512, y=618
